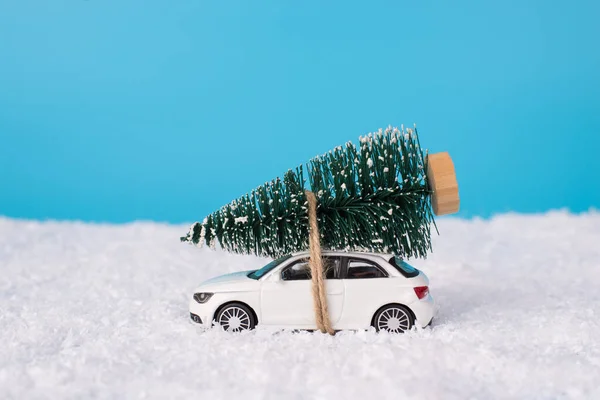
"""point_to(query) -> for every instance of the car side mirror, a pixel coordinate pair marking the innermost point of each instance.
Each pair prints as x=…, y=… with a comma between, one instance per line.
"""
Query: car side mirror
x=286, y=275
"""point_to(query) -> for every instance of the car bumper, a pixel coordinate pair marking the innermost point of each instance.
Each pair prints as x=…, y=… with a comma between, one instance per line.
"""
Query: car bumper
x=424, y=311
x=202, y=314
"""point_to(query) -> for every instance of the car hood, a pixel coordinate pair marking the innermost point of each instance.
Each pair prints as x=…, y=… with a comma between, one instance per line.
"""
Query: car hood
x=233, y=277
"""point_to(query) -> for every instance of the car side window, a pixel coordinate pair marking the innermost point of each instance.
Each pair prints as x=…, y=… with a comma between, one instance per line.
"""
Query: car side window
x=300, y=270
x=362, y=269
x=332, y=267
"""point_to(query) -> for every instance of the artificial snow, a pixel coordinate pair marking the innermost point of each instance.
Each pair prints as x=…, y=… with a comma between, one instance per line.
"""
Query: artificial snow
x=101, y=311
x=241, y=220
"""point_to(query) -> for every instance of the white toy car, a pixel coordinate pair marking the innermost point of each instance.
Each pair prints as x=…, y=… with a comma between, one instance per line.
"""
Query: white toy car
x=363, y=290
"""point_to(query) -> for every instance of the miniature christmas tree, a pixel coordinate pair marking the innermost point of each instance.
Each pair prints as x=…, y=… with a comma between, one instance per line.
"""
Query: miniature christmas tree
x=375, y=197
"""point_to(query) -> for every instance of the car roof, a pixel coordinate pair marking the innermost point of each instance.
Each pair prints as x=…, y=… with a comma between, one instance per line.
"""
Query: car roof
x=385, y=256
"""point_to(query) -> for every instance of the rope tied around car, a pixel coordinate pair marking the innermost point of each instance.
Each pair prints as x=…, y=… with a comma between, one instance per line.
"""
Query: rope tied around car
x=316, y=267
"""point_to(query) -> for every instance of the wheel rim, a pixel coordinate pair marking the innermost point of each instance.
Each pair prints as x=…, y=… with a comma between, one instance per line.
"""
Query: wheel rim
x=393, y=320
x=234, y=319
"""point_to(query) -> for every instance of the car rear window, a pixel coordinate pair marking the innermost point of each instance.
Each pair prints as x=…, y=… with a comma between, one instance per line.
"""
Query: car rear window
x=403, y=267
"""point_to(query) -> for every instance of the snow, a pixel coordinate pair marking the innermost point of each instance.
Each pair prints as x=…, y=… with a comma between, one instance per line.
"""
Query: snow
x=100, y=311
x=241, y=220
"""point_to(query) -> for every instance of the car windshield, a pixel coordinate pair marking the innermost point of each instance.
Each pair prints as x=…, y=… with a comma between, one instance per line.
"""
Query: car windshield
x=267, y=268
x=403, y=267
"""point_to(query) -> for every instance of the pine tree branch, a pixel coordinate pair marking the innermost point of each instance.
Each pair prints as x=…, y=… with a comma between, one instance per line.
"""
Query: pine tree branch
x=373, y=197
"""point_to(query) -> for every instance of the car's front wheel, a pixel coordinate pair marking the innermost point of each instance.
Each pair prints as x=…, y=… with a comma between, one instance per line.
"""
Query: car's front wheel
x=393, y=318
x=236, y=317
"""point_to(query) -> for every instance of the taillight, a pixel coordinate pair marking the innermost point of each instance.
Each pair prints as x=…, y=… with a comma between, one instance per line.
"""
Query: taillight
x=421, y=291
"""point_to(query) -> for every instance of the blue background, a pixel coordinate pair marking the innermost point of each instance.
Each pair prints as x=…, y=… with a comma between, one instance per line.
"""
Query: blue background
x=165, y=110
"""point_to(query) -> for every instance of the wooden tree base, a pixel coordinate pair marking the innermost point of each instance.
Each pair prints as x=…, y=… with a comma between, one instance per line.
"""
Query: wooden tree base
x=442, y=181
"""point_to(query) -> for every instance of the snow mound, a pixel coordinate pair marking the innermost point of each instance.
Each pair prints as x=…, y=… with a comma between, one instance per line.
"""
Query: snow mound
x=100, y=311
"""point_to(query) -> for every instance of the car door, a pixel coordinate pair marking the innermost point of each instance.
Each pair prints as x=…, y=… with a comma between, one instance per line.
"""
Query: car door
x=366, y=286
x=286, y=299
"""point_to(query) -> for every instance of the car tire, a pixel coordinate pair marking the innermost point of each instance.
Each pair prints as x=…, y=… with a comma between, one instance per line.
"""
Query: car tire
x=393, y=318
x=236, y=317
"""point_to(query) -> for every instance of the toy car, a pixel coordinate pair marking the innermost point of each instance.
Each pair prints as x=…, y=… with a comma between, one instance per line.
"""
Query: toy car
x=363, y=290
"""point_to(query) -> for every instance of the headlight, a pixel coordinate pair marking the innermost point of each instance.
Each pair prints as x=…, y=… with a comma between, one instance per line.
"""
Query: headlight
x=202, y=297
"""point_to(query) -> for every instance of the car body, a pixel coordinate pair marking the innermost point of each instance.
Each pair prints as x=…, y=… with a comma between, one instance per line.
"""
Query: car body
x=362, y=288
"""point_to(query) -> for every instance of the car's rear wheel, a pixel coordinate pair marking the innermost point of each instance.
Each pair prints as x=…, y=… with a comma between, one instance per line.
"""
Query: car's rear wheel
x=236, y=317
x=393, y=318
